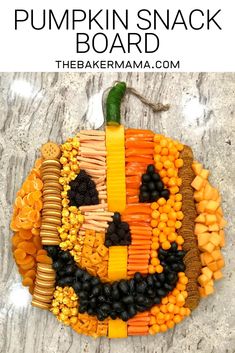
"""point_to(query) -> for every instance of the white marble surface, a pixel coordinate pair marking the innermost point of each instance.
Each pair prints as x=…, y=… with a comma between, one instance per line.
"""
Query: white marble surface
x=36, y=107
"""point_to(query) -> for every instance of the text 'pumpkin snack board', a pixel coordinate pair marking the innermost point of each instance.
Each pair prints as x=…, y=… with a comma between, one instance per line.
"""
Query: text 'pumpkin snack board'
x=118, y=232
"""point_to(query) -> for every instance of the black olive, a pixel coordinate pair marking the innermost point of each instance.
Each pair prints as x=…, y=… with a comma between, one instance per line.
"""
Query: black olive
x=172, y=277
x=145, y=196
x=141, y=286
x=114, y=238
x=125, y=226
x=92, y=302
x=156, y=177
x=96, y=290
x=138, y=277
x=82, y=309
x=151, y=169
x=174, y=246
x=132, y=285
x=101, y=299
x=77, y=286
x=165, y=193
x=141, y=198
x=154, y=196
x=101, y=315
x=162, y=252
x=113, y=315
x=181, y=267
x=95, y=281
x=79, y=273
x=91, y=311
x=105, y=307
x=159, y=186
x=108, y=243
x=151, y=186
x=146, y=178
x=169, y=287
x=66, y=281
x=143, y=188
x=116, y=217
x=150, y=280
x=141, y=308
x=86, y=276
x=52, y=251
x=82, y=295
x=161, y=277
x=57, y=265
x=131, y=310
x=111, y=228
x=175, y=267
x=181, y=253
x=62, y=273
x=86, y=286
x=128, y=299
x=117, y=306
x=65, y=256
x=161, y=292
x=121, y=233
x=107, y=289
x=123, y=286
x=150, y=292
x=157, y=284
x=171, y=259
x=139, y=298
x=156, y=300
x=115, y=294
x=70, y=269
x=124, y=315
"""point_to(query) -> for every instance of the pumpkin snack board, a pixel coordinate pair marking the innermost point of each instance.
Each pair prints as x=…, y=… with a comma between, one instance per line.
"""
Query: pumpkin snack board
x=118, y=232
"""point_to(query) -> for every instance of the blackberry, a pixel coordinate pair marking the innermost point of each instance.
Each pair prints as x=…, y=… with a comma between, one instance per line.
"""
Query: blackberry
x=82, y=188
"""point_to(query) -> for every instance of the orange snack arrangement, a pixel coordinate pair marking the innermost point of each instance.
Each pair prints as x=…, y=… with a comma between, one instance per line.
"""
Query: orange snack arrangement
x=132, y=230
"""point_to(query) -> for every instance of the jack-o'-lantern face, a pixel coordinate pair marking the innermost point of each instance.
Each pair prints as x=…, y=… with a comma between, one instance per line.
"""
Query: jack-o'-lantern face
x=108, y=230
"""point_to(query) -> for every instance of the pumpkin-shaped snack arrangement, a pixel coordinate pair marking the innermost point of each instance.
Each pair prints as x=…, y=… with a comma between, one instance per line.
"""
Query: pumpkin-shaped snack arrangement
x=118, y=232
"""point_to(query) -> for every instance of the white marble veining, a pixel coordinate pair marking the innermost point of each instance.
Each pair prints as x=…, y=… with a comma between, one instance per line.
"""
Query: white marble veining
x=37, y=106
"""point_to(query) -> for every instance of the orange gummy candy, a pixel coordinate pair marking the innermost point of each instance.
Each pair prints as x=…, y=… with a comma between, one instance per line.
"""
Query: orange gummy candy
x=25, y=234
x=44, y=259
x=19, y=254
x=28, y=247
x=27, y=281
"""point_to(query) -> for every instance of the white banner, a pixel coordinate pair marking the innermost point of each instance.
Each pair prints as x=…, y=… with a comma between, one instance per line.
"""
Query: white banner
x=96, y=36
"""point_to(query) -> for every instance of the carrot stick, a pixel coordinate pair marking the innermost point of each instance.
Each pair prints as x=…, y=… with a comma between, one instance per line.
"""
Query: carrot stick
x=139, y=131
x=137, y=224
x=140, y=256
x=137, y=252
x=137, y=329
x=132, y=192
x=141, y=228
x=138, y=208
x=142, y=321
x=137, y=266
x=142, y=144
x=132, y=199
x=139, y=159
x=139, y=151
x=136, y=217
x=139, y=324
x=141, y=232
x=140, y=237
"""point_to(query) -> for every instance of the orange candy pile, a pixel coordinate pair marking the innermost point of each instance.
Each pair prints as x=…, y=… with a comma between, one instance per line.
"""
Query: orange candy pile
x=27, y=248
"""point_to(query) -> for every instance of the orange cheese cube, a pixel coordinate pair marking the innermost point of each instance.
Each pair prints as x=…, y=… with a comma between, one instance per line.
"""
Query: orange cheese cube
x=201, y=206
x=201, y=291
x=217, y=275
x=210, y=283
x=208, y=192
x=203, y=260
x=208, y=290
x=197, y=168
x=211, y=206
x=220, y=263
x=207, y=272
x=200, y=228
x=213, y=227
x=216, y=254
x=222, y=238
x=203, y=238
x=204, y=173
x=201, y=218
x=213, y=266
x=198, y=195
x=210, y=219
x=203, y=280
x=215, y=194
x=222, y=223
x=197, y=182
x=207, y=258
x=215, y=239
x=209, y=247
x=219, y=211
